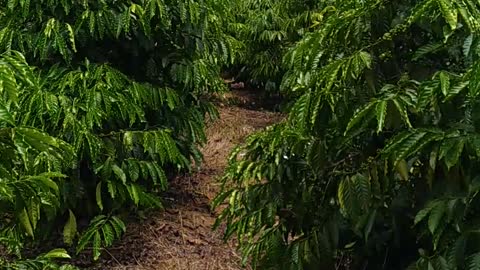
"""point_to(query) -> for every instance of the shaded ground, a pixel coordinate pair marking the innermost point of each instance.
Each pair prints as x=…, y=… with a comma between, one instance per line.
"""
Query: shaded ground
x=181, y=237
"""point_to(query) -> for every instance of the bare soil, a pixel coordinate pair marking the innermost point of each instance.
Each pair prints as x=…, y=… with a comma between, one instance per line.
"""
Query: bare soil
x=181, y=236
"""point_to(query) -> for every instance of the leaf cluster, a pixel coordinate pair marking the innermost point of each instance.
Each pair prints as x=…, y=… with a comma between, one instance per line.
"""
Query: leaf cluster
x=101, y=102
x=375, y=167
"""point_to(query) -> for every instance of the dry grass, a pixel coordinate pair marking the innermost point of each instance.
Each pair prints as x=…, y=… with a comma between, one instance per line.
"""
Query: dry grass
x=234, y=125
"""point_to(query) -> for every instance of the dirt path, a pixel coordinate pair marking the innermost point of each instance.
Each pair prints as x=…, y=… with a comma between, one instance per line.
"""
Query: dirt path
x=181, y=236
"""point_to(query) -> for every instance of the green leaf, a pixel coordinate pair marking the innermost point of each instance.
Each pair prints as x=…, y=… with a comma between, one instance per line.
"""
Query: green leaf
x=34, y=212
x=359, y=115
x=98, y=195
x=473, y=261
x=119, y=173
x=85, y=239
x=108, y=234
x=408, y=145
x=71, y=36
x=133, y=170
x=457, y=252
x=70, y=229
x=11, y=4
x=362, y=190
x=402, y=169
x=381, y=112
x=53, y=175
x=38, y=139
x=451, y=149
x=436, y=215
x=467, y=45
x=5, y=115
x=97, y=244
x=45, y=181
x=449, y=12
x=441, y=264
x=343, y=193
x=403, y=111
x=128, y=140
x=25, y=221
x=134, y=194
x=350, y=245
x=453, y=156
x=370, y=223
x=58, y=253
x=444, y=83
x=118, y=226
x=422, y=214
x=112, y=190
x=427, y=93
x=427, y=49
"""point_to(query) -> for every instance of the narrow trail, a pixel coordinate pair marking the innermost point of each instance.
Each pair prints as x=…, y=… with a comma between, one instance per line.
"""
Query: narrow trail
x=181, y=237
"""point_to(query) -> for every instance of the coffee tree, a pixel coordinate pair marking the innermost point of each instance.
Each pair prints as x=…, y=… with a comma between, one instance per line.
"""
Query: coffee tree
x=376, y=166
x=100, y=103
x=267, y=29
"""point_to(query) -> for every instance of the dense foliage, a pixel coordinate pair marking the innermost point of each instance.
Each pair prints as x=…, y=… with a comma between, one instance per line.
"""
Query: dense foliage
x=100, y=102
x=267, y=29
x=377, y=164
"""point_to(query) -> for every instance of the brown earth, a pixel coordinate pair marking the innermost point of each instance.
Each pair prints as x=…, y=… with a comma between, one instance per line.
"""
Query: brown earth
x=181, y=237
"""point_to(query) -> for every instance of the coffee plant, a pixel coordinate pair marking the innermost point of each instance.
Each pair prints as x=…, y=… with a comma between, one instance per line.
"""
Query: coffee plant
x=376, y=166
x=42, y=262
x=267, y=29
x=100, y=103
